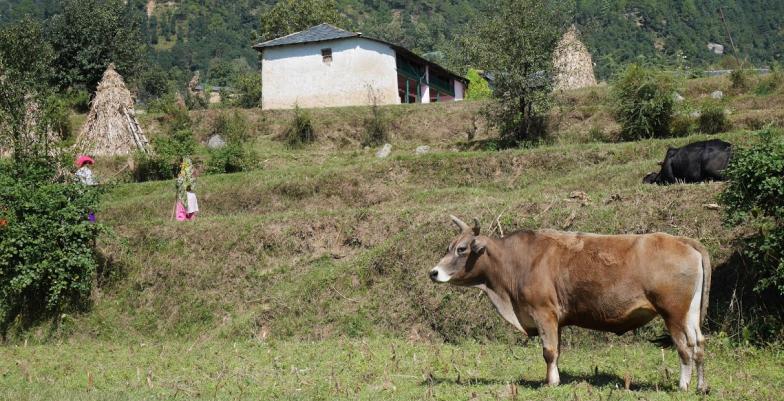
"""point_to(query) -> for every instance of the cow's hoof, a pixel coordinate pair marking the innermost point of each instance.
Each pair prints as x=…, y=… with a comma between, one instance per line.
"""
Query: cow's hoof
x=703, y=390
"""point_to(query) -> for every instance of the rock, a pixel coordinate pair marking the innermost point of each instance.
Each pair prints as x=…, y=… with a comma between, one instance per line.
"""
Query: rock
x=695, y=114
x=712, y=206
x=580, y=196
x=678, y=98
x=421, y=150
x=717, y=95
x=216, y=142
x=384, y=151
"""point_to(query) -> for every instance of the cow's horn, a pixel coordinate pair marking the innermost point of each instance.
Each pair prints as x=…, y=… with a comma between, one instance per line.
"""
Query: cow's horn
x=476, y=226
x=460, y=224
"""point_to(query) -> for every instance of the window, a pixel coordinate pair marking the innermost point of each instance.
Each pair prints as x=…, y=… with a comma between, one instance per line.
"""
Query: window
x=326, y=56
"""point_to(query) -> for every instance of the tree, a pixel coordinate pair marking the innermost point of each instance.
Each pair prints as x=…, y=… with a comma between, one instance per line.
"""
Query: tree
x=516, y=45
x=89, y=35
x=289, y=16
x=25, y=66
x=46, y=257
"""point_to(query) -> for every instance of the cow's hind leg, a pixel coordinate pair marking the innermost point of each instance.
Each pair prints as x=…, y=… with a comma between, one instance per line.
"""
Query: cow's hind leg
x=681, y=342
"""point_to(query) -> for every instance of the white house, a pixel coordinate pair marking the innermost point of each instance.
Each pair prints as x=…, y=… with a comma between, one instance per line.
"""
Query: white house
x=325, y=66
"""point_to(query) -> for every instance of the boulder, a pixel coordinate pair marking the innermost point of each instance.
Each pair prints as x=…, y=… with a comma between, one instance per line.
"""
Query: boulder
x=717, y=95
x=216, y=142
x=421, y=150
x=384, y=151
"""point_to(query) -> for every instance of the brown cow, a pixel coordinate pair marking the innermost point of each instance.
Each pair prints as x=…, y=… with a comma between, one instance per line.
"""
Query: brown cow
x=540, y=281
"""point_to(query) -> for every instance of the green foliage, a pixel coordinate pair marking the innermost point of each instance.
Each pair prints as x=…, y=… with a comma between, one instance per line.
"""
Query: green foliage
x=713, y=119
x=644, y=103
x=770, y=83
x=168, y=150
x=289, y=16
x=58, y=116
x=300, y=131
x=153, y=83
x=88, y=35
x=248, y=89
x=517, y=44
x=232, y=158
x=46, y=253
x=478, y=88
x=682, y=125
x=77, y=100
x=24, y=92
x=755, y=198
x=237, y=155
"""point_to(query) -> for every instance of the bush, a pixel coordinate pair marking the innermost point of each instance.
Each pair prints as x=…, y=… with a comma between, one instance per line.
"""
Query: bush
x=643, y=103
x=248, y=88
x=77, y=100
x=58, y=116
x=770, y=83
x=682, y=125
x=46, y=242
x=232, y=158
x=169, y=150
x=713, y=119
x=237, y=155
x=755, y=198
x=300, y=131
x=233, y=127
x=740, y=80
x=375, y=126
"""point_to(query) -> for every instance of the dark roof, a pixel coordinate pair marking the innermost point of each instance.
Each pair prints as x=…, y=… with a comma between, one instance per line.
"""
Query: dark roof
x=324, y=32
x=318, y=33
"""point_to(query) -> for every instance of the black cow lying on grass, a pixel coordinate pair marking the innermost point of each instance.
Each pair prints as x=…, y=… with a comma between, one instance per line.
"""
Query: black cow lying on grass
x=695, y=162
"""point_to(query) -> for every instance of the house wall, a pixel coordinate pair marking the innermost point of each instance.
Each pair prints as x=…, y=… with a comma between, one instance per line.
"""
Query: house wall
x=459, y=90
x=297, y=75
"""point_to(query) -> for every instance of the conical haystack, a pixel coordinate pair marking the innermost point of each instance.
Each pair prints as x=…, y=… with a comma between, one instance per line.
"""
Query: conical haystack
x=111, y=128
x=573, y=63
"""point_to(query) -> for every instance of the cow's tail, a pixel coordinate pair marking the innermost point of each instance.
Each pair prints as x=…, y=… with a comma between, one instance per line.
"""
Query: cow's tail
x=706, y=276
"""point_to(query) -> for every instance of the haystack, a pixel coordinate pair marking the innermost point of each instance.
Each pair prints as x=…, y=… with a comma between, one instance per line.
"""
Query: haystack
x=111, y=128
x=573, y=63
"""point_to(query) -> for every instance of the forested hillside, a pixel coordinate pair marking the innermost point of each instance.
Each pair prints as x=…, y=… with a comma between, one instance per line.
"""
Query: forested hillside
x=215, y=36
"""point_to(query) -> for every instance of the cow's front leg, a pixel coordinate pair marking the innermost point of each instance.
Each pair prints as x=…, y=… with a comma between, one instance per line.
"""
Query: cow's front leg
x=550, y=334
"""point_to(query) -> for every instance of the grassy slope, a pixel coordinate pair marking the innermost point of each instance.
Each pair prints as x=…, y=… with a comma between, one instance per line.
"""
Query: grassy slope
x=327, y=248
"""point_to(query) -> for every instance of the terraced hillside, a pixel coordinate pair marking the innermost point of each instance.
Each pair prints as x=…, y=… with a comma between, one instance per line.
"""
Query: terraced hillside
x=307, y=279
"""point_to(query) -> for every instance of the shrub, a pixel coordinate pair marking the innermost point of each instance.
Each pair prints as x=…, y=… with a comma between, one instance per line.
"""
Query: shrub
x=713, y=119
x=46, y=242
x=248, y=88
x=168, y=150
x=300, y=131
x=682, y=125
x=232, y=126
x=770, y=83
x=376, y=124
x=755, y=198
x=58, y=116
x=78, y=100
x=237, y=155
x=643, y=103
x=740, y=80
x=232, y=158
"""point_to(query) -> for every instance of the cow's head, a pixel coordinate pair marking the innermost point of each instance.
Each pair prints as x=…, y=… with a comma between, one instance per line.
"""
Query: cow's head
x=651, y=178
x=458, y=265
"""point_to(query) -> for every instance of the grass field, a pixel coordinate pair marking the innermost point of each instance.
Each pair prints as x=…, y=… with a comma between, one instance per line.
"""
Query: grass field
x=306, y=278
x=372, y=369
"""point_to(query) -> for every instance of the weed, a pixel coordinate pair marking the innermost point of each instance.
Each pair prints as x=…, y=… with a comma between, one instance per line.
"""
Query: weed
x=713, y=119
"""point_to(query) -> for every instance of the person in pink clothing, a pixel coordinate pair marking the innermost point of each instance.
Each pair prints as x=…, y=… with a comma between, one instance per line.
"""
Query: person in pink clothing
x=186, y=205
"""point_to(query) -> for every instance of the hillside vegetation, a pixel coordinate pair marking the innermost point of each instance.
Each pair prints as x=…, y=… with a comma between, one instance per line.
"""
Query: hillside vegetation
x=307, y=278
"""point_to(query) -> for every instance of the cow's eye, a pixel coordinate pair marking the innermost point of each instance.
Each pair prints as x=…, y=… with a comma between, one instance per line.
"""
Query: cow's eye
x=461, y=250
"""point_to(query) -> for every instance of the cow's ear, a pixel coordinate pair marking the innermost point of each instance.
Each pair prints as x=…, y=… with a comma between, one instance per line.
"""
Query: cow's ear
x=478, y=246
x=476, y=228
